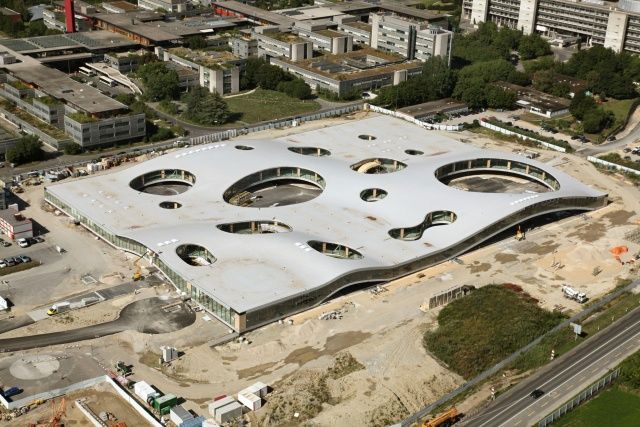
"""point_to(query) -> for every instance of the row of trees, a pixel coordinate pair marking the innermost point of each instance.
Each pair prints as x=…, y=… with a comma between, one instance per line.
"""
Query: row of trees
x=471, y=85
x=489, y=43
x=27, y=149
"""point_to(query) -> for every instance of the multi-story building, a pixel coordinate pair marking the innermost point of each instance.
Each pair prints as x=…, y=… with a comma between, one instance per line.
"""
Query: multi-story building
x=324, y=36
x=88, y=130
x=124, y=62
x=360, y=31
x=613, y=25
x=274, y=43
x=410, y=38
x=50, y=97
x=244, y=46
x=217, y=71
x=168, y=5
x=355, y=71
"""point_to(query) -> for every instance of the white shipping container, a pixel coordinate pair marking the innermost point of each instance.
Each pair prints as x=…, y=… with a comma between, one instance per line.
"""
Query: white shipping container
x=250, y=400
x=143, y=390
x=262, y=387
x=217, y=404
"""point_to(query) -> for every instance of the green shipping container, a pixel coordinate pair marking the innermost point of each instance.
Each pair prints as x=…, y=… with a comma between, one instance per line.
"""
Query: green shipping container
x=163, y=404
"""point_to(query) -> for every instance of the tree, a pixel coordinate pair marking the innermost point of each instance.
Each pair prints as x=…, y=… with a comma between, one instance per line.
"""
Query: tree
x=296, y=88
x=27, y=149
x=195, y=42
x=160, y=82
x=472, y=92
x=205, y=108
x=72, y=148
x=269, y=76
x=532, y=46
x=126, y=98
x=581, y=104
x=499, y=98
x=596, y=120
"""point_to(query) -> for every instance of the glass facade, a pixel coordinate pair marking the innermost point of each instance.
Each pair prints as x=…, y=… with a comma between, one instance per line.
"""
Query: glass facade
x=224, y=313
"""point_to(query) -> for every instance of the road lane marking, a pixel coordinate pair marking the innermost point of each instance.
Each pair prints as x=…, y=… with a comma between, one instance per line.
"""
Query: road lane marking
x=487, y=422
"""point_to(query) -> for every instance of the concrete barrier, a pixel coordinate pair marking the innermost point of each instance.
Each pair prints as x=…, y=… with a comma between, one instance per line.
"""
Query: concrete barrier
x=612, y=165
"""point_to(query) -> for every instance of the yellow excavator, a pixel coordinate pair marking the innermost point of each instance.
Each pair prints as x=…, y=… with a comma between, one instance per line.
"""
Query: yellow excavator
x=137, y=275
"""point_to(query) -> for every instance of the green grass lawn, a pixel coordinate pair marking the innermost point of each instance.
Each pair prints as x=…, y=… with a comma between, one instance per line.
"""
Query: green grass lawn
x=264, y=105
x=620, y=108
x=612, y=407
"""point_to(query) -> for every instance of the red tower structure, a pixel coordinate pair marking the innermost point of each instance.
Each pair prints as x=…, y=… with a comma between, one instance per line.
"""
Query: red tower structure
x=69, y=16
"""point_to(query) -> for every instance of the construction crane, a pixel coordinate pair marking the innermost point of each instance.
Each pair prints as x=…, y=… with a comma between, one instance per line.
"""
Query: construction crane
x=57, y=412
x=137, y=275
x=443, y=420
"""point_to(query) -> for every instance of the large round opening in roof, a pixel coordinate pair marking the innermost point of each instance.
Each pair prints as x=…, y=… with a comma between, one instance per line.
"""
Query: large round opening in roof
x=310, y=151
x=275, y=187
x=254, y=227
x=164, y=182
x=368, y=137
x=195, y=255
x=496, y=176
x=413, y=152
x=373, y=194
x=334, y=250
x=378, y=166
x=244, y=147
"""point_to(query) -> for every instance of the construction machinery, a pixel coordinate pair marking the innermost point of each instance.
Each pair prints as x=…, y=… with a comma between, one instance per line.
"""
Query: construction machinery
x=57, y=412
x=616, y=251
x=137, y=275
x=443, y=420
x=519, y=234
x=123, y=368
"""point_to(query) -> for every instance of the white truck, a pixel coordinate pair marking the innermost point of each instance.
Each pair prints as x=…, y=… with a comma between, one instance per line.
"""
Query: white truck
x=59, y=307
x=571, y=293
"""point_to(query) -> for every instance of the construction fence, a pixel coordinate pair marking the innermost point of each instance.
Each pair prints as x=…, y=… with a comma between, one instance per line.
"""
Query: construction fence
x=275, y=124
x=584, y=395
x=611, y=165
x=444, y=298
x=399, y=115
x=521, y=136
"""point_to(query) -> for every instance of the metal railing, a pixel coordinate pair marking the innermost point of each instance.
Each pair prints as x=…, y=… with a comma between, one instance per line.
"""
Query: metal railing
x=584, y=395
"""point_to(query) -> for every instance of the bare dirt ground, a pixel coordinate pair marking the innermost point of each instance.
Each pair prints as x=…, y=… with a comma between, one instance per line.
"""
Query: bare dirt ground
x=391, y=373
x=100, y=398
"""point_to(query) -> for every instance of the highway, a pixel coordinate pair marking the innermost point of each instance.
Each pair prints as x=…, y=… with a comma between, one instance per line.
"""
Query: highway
x=563, y=378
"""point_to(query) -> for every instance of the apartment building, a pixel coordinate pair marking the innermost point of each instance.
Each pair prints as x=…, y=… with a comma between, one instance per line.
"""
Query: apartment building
x=217, y=71
x=274, y=43
x=613, y=25
x=410, y=38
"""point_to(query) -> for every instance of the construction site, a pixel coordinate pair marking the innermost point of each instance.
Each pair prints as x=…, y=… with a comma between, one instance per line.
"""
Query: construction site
x=332, y=353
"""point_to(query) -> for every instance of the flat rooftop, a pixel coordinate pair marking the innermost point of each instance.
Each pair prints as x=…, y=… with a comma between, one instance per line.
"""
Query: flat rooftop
x=309, y=13
x=355, y=64
x=254, y=12
x=124, y=5
x=357, y=24
x=255, y=270
x=153, y=26
x=88, y=40
x=59, y=85
x=211, y=59
x=535, y=97
x=432, y=107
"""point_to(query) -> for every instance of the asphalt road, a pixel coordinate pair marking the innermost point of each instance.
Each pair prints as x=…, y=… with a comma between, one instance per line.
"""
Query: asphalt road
x=146, y=316
x=563, y=378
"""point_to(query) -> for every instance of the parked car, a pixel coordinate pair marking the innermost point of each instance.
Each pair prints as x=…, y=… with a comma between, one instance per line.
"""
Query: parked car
x=38, y=239
x=24, y=258
x=9, y=262
x=3, y=264
x=611, y=138
x=6, y=244
x=627, y=150
x=17, y=260
x=23, y=243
